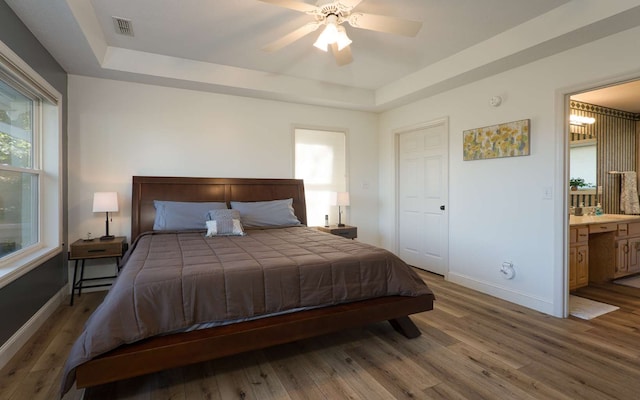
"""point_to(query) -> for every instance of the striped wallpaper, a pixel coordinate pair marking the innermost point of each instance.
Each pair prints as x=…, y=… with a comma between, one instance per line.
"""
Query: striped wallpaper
x=617, y=146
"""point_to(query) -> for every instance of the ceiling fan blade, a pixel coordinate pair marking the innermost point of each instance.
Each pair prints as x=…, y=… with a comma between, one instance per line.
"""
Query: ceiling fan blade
x=292, y=37
x=344, y=56
x=382, y=23
x=292, y=5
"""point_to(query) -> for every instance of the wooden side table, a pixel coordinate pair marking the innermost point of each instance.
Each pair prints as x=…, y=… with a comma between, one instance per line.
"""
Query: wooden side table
x=347, y=231
x=82, y=250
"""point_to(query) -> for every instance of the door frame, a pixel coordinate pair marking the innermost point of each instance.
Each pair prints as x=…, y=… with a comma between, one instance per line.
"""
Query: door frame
x=561, y=255
x=444, y=121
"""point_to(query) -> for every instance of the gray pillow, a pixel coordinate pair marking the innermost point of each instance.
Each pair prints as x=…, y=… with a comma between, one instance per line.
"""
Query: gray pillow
x=222, y=213
x=266, y=213
x=178, y=215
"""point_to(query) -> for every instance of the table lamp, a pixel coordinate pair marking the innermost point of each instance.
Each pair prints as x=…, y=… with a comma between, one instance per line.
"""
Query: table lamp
x=105, y=202
x=342, y=199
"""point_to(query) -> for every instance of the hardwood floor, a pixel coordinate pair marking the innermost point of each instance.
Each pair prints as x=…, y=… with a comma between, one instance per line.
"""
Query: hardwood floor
x=473, y=346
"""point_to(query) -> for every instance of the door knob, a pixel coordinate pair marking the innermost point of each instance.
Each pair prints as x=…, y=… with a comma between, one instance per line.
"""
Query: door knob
x=442, y=207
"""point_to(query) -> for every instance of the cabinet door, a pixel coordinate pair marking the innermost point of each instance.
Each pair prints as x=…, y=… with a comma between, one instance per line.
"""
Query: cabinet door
x=634, y=255
x=622, y=255
x=582, y=266
x=573, y=260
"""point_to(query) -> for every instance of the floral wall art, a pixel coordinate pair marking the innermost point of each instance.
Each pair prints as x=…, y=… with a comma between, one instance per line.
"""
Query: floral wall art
x=510, y=139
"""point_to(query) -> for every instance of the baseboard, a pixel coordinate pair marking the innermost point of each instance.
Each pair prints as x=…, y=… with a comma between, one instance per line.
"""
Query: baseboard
x=15, y=342
x=500, y=292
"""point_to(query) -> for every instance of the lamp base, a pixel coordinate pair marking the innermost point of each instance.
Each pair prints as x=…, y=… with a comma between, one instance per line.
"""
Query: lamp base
x=341, y=225
x=107, y=237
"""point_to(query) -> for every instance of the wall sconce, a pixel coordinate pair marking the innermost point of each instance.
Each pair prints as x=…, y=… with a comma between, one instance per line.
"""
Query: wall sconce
x=341, y=199
x=105, y=202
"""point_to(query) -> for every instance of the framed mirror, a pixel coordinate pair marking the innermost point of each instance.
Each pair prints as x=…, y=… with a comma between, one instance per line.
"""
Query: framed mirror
x=583, y=173
x=583, y=166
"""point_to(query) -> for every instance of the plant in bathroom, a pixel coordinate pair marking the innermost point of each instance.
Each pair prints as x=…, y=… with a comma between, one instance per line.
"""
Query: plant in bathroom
x=576, y=183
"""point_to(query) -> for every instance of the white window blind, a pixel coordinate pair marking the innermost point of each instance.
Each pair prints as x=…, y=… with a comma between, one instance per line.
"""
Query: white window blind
x=320, y=160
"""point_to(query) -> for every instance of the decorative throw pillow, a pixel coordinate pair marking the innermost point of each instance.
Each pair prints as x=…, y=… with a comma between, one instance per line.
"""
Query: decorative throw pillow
x=222, y=227
x=224, y=223
x=266, y=213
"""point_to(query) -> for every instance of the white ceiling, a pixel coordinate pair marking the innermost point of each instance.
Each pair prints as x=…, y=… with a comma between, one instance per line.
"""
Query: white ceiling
x=215, y=45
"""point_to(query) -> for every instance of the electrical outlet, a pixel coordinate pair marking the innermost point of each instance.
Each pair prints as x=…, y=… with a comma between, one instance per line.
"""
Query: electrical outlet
x=507, y=270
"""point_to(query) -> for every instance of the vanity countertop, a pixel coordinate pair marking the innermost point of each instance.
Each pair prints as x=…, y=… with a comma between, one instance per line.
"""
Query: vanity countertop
x=601, y=219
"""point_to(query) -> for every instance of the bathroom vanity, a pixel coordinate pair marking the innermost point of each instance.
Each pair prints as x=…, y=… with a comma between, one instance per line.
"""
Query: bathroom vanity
x=603, y=248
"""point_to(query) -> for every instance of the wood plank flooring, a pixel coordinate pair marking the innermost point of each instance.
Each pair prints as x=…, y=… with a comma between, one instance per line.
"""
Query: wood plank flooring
x=472, y=346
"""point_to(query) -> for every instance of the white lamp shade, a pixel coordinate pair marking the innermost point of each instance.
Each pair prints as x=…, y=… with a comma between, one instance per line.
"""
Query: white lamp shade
x=105, y=202
x=340, y=199
x=342, y=39
x=328, y=36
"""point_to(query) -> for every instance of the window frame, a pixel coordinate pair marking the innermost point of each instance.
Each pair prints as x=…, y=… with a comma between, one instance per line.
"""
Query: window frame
x=46, y=165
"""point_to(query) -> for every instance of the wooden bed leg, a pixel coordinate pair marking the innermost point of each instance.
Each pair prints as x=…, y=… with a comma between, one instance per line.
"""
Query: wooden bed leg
x=405, y=326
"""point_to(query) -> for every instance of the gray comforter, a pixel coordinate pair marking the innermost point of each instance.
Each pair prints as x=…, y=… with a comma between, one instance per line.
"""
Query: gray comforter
x=172, y=281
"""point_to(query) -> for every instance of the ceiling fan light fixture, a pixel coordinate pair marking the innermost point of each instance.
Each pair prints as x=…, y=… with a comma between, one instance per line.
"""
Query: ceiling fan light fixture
x=328, y=36
x=331, y=15
x=342, y=39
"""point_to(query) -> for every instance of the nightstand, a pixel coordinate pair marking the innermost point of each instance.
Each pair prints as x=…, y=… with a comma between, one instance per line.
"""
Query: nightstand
x=82, y=250
x=349, y=232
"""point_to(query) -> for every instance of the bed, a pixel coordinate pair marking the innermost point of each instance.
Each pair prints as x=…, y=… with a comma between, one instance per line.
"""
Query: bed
x=348, y=304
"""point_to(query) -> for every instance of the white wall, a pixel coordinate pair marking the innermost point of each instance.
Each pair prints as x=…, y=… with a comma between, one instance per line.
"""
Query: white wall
x=121, y=129
x=497, y=211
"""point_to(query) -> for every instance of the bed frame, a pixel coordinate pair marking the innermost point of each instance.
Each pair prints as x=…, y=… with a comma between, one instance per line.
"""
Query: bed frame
x=175, y=350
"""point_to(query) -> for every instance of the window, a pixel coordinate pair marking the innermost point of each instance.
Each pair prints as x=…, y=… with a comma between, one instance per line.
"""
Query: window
x=320, y=160
x=30, y=168
x=19, y=171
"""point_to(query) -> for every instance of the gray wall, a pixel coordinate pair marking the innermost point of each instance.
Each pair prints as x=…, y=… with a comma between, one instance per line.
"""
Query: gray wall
x=20, y=299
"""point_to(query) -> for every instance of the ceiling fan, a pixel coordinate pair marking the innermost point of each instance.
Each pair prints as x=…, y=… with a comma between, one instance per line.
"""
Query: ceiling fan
x=332, y=14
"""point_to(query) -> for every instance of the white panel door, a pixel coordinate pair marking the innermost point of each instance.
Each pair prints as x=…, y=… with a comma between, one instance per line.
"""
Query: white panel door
x=423, y=227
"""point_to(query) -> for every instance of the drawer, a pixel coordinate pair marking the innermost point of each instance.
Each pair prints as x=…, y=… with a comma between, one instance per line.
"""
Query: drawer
x=578, y=235
x=623, y=229
x=96, y=249
x=599, y=228
x=349, y=233
x=583, y=235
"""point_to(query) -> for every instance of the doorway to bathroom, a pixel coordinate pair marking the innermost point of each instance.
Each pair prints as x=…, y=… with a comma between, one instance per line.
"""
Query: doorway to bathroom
x=604, y=250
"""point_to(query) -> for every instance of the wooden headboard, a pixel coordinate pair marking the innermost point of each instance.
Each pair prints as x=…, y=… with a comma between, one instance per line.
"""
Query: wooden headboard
x=146, y=189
